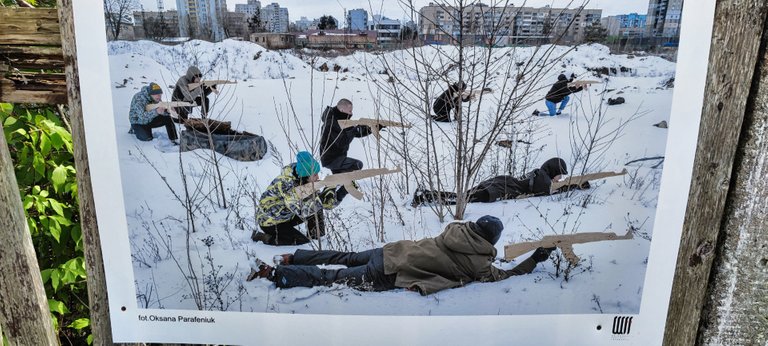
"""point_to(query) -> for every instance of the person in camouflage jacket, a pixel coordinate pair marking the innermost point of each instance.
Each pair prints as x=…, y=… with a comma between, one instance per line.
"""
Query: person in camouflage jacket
x=281, y=210
x=143, y=121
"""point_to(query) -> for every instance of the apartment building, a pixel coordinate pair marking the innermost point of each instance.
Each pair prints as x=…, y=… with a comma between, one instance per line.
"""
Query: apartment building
x=357, y=20
x=625, y=25
x=275, y=18
x=202, y=18
x=480, y=23
x=664, y=18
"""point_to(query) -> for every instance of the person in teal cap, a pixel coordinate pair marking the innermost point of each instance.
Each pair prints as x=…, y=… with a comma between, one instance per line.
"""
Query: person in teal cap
x=281, y=210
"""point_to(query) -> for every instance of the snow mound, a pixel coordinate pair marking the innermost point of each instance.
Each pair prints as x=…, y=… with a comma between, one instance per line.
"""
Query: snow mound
x=229, y=59
x=579, y=60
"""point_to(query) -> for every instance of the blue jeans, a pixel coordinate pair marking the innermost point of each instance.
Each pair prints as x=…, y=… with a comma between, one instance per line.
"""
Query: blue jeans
x=552, y=107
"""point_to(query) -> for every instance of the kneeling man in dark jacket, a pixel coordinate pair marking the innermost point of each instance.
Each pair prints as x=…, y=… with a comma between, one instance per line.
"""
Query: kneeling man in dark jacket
x=463, y=253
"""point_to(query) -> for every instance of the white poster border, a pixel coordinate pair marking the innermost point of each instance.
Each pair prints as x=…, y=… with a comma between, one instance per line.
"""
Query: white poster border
x=272, y=328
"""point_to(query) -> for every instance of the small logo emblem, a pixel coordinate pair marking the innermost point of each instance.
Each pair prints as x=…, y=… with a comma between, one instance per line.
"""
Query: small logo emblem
x=621, y=325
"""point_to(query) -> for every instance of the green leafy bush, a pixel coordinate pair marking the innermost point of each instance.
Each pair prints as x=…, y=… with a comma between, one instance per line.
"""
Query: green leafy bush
x=41, y=148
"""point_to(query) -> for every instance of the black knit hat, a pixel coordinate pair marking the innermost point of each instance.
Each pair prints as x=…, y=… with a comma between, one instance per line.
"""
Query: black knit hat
x=490, y=228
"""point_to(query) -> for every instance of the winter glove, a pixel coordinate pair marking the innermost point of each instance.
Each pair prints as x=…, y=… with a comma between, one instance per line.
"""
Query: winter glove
x=341, y=193
x=573, y=76
x=328, y=196
x=380, y=126
x=542, y=254
x=363, y=130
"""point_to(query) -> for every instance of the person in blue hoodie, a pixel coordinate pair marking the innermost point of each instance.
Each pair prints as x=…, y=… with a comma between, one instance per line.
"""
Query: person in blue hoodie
x=143, y=121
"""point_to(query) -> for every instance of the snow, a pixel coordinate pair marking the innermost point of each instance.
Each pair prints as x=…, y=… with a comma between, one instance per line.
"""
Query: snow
x=280, y=96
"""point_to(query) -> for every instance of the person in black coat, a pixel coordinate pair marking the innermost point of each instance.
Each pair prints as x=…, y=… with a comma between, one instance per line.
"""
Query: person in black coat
x=537, y=182
x=559, y=93
x=334, y=141
x=449, y=100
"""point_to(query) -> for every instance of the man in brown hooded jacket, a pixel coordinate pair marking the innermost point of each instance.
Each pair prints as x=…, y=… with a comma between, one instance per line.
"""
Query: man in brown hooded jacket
x=463, y=253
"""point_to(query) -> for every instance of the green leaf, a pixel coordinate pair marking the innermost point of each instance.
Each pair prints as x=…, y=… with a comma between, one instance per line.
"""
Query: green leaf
x=45, y=144
x=80, y=323
x=56, y=141
x=10, y=121
x=38, y=163
x=56, y=206
x=55, y=229
x=59, y=177
x=55, y=279
x=57, y=306
x=6, y=107
x=77, y=234
x=29, y=201
x=20, y=132
x=90, y=339
x=61, y=220
x=46, y=274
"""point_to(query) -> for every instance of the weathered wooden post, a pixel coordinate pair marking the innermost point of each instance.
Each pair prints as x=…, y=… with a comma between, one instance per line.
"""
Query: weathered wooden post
x=24, y=316
x=94, y=261
x=725, y=215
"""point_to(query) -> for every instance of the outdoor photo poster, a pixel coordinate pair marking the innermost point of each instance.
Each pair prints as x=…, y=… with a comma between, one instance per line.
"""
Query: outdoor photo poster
x=189, y=198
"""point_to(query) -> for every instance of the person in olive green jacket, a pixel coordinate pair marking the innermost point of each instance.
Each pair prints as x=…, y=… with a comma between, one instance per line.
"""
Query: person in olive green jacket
x=463, y=253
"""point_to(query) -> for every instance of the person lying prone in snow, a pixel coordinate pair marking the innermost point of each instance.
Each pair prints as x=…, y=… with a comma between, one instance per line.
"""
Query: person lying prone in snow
x=537, y=183
x=463, y=253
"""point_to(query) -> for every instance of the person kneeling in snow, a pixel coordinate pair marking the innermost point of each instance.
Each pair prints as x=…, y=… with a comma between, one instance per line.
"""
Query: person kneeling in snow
x=335, y=141
x=449, y=100
x=537, y=182
x=463, y=253
x=143, y=121
x=198, y=96
x=281, y=209
x=559, y=94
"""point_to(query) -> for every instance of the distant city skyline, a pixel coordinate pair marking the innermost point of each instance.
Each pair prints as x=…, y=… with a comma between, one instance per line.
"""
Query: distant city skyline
x=394, y=9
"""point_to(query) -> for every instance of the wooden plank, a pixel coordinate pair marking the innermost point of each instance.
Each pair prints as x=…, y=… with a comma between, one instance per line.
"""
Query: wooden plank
x=34, y=26
x=738, y=29
x=32, y=57
x=94, y=259
x=737, y=311
x=35, y=94
x=24, y=315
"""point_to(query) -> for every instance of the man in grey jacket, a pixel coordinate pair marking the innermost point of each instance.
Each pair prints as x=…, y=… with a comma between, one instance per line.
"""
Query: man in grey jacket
x=463, y=253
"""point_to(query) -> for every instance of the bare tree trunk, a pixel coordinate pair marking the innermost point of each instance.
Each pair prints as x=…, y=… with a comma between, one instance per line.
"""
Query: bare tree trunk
x=24, y=316
x=94, y=260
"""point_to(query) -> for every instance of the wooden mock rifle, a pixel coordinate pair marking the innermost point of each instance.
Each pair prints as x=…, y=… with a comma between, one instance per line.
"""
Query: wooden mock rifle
x=581, y=179
x=476, y=93
x=210, y=83
x=168, y=106
x=372, y=123
x=583, y=83
x=346, y=179
x=564, y=242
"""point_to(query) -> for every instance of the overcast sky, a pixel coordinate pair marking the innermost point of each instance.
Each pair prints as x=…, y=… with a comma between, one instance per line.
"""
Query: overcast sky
x=392, y=8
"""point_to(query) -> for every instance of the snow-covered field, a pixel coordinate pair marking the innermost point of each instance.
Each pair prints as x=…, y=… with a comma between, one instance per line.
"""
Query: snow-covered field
x=280, y=96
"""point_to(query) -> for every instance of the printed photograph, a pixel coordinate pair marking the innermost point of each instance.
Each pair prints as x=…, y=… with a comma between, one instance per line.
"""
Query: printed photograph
x=399, y=158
